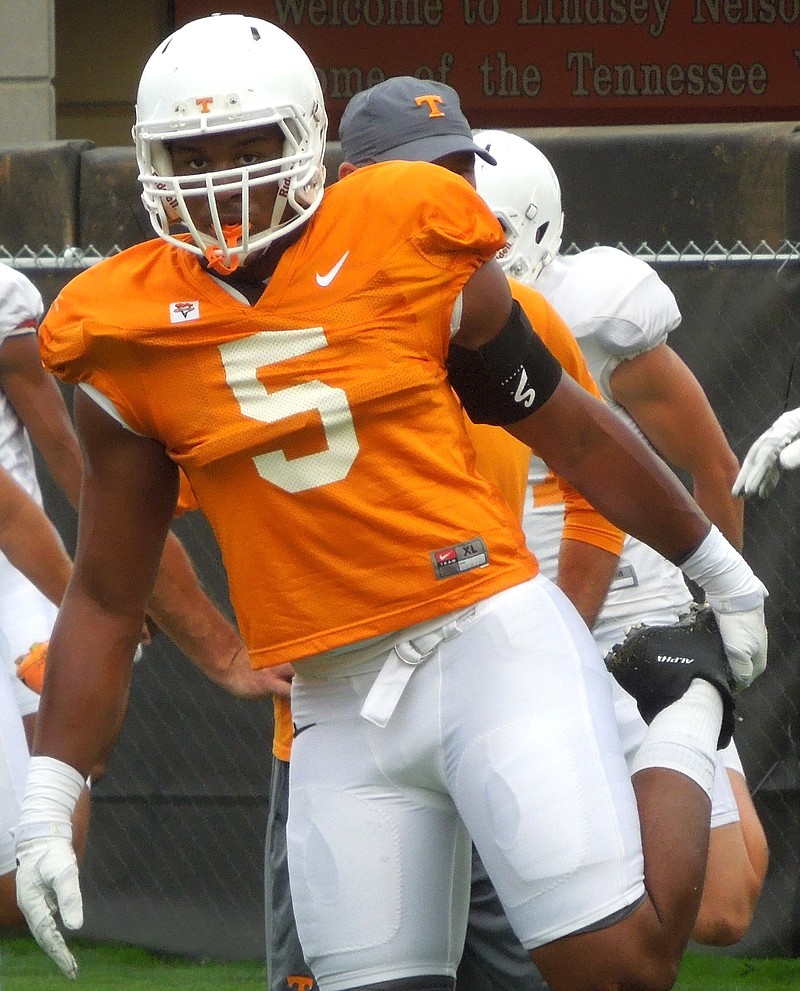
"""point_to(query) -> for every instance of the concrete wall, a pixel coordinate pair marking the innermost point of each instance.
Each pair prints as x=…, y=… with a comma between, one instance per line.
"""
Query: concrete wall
x=654, y=184
x=27, y=58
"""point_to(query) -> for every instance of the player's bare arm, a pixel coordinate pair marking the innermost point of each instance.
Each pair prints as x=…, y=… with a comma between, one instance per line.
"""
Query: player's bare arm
x=129, y=493
x=616, y=472
x=686, y=433
x=586, y=444
x=183, y=610
x=585, y=572
x=30, y=541
x=37, y=399
x=499, y=378
x=178, y=605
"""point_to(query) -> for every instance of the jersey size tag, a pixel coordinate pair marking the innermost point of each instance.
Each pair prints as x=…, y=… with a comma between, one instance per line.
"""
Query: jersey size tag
x=462, y=557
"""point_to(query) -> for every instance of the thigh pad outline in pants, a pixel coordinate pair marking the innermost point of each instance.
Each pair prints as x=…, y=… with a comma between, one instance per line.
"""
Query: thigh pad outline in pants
x=379, y=861
x=536, y=767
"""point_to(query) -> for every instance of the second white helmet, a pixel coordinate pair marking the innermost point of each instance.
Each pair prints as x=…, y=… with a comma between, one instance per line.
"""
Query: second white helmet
x=523, y=192
x=223, y=73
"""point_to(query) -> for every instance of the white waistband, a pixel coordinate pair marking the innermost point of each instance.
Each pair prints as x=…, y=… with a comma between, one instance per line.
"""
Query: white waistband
x=401, y=663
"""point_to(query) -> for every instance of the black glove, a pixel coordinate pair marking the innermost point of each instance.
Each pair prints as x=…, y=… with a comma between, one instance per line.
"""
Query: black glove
x=656, y=664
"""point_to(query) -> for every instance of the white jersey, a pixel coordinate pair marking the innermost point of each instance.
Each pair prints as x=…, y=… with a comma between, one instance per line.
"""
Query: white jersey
x=20, y=312
x=25, y=614
x=617, y=307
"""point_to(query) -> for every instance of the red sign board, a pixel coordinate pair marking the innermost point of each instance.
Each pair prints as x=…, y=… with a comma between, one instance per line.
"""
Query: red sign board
x=543, y=63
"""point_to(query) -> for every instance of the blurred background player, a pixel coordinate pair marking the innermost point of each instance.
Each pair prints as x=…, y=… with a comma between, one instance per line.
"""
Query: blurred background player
x=31, y=407
x=621, y=313
x=30, y=545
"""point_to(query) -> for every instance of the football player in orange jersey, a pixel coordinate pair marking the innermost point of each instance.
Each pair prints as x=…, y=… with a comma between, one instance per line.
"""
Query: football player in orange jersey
x=295, y=351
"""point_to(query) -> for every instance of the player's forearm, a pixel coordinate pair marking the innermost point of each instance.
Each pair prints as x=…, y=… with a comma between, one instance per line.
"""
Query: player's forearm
x=87, y=683
x=65, y=467
x=584, y=575
x=713, y=495
x=581, y=440
x=32, y=545
x=184, y=612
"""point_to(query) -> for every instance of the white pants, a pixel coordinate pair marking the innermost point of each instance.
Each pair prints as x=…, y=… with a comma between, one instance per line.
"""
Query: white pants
x=505, y=733
x=26, y=617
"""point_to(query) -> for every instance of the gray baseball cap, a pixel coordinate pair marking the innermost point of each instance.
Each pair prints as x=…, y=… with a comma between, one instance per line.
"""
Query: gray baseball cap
x=415, y=120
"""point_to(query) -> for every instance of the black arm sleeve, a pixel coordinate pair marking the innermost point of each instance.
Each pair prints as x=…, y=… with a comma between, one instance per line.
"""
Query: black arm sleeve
x=508, y=377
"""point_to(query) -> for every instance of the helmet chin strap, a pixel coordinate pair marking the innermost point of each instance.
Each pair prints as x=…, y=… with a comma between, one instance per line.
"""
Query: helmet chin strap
x=215, y=256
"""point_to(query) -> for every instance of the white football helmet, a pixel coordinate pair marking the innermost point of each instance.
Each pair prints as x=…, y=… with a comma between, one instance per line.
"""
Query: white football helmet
x=225, y=73
x=522, y=191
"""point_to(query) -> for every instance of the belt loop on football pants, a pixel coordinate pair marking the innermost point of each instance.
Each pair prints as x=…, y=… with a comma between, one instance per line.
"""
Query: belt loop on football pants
x=403, y=659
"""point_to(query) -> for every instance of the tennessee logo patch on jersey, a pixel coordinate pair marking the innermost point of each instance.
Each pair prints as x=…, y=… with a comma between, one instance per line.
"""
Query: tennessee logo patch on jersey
x=183, y=312
x=462, y=557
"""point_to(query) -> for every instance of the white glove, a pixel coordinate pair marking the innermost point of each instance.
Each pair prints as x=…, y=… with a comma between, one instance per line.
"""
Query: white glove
x=776, y=450
x=47, y=869
x=47, y=881
x=745, y=637
x=737, y=598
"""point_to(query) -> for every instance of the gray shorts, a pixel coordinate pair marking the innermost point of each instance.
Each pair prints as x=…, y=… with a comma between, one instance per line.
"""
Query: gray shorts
x=286, y=967
x=494, y=959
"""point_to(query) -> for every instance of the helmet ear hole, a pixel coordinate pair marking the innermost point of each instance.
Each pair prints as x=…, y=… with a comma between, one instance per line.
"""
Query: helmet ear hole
x=522, y=185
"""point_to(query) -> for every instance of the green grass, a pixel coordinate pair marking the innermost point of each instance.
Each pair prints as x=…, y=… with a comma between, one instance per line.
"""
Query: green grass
x=23, y=967
x=703, y=972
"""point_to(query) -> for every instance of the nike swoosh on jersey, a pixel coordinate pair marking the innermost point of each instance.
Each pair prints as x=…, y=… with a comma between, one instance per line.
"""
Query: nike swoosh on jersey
x=328, y=277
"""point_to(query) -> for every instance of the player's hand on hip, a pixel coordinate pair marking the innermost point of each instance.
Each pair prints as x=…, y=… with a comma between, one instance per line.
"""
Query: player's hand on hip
x=47, y=869
x=244, y=681
x=776, y=450
x=47, y=885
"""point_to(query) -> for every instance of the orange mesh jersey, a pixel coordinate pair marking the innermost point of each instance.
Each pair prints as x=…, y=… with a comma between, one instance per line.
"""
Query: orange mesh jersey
x=317, y=428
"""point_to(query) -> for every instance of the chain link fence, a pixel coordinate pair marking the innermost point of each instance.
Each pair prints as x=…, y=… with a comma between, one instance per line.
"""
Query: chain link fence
x=175, y=855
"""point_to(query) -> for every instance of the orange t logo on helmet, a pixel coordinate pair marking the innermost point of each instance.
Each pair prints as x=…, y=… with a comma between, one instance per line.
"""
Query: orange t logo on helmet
x=431, y=101
x=204, y=103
